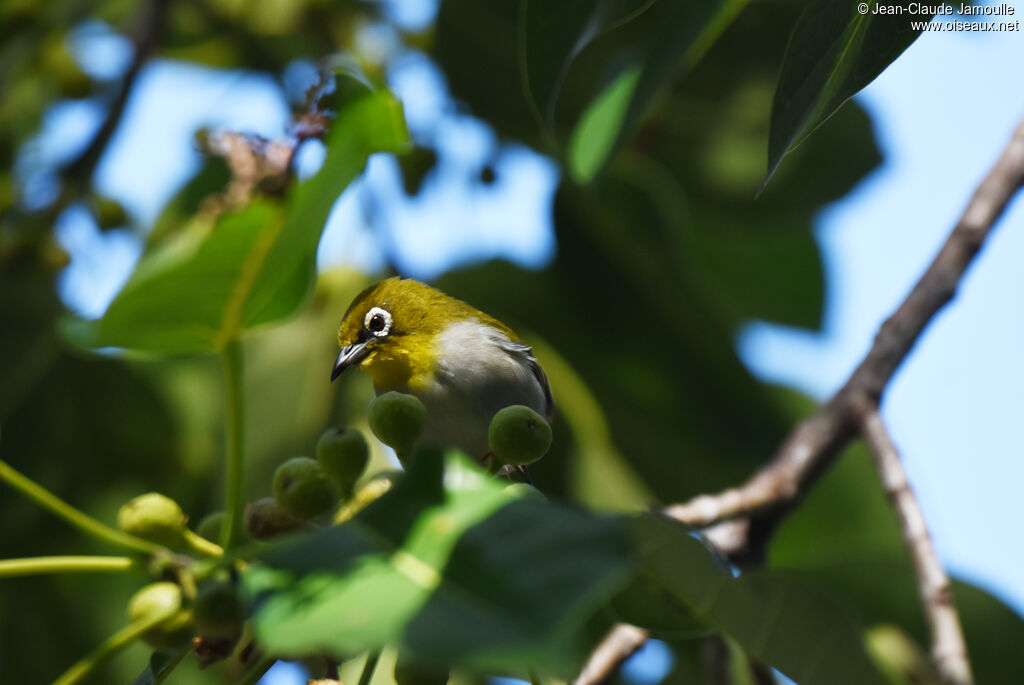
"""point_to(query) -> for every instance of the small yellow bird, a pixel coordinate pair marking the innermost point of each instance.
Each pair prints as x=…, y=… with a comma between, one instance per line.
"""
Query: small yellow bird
x=462, y=364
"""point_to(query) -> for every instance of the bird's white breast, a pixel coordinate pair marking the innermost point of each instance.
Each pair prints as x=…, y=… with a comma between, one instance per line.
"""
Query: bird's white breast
x=480, y=371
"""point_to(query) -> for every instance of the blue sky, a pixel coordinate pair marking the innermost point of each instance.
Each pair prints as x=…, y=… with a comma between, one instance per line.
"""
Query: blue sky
x=942, y=113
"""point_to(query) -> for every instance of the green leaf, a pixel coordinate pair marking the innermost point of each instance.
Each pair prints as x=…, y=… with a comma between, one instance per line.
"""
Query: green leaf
x=674, y=45
x=449, y=567
x=209, y=284
x=778, y=619
x=552, y=34
x=598, y=129
x=833, y=52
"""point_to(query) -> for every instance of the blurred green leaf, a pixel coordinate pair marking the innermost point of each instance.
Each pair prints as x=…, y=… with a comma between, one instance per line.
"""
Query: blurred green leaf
x=256, y=266
x=449, y=567
x=673, y=46
x=213, y=177
x=89, y=431
x=900, y=658
x=834, y=51
x=994, y=634
x=552, y=34
x=598, y=130
x=623, y=315
x=647, y=605
x=667, y=254
x=602, y=476
x=783, y=621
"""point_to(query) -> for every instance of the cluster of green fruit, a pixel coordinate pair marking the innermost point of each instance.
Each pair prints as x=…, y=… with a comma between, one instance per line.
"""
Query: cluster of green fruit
x=173, y=612
x=305, y=491
x=517, y=435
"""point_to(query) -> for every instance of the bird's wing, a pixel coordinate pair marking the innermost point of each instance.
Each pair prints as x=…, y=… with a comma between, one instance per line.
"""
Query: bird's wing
x=526, y=352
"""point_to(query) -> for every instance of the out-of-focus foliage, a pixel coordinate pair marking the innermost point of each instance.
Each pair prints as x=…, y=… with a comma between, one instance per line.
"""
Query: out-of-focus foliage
x=429, y=563
x=665, y=118
x=213, y=282
x=776, y=618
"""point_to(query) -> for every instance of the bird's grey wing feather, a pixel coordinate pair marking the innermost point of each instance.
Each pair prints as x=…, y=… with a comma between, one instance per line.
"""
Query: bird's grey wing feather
x=527, y=353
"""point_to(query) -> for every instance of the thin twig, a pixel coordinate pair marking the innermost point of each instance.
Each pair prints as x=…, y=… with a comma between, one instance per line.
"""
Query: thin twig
x=234, y=445
x=32, y=566
x=110, y=647
x=948, y=647
x=77, y=518
x=622, y=642
x=767, y=496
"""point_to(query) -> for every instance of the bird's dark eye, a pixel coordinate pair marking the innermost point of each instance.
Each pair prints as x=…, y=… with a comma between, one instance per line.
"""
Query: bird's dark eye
x=378, y=322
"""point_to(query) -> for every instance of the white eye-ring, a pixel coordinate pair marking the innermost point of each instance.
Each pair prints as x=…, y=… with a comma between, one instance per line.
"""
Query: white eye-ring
x=378, y=322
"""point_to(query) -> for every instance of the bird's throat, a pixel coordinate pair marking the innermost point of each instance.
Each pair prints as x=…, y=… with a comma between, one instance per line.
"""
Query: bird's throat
x=394, y=369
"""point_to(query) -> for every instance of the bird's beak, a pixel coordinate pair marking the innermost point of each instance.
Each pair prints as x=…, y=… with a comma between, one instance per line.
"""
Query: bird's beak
x=350, y=356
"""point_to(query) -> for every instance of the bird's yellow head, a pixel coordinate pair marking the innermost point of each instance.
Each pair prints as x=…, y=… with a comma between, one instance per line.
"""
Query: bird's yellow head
x=390, y=331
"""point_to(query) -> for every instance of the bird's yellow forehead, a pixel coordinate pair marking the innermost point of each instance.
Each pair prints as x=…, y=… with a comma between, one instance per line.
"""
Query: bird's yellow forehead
x=415, y=308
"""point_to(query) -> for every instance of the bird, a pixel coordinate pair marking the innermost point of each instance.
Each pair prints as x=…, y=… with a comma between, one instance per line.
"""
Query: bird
x=462, y=364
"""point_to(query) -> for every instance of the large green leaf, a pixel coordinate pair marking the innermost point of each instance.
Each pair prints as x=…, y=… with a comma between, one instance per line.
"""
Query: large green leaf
x=835, y=50
x=459, y=573
x=553, y=33
x=675, y=43
x=208, y=284
x=783, y=621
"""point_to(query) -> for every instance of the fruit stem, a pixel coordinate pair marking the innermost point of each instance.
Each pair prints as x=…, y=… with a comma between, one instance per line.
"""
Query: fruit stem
x=110, y=647
x=234, y=445
x=200, y=545
x=371, y=663
x=32, y=566
x=75, y=517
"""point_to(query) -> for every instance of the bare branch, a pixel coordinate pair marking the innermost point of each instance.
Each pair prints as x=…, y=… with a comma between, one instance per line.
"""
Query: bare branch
x=813, y=445
x=768, y=495
x=622, y=642
x=948, y=648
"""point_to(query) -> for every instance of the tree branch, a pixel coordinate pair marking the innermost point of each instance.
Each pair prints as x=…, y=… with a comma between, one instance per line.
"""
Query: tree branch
x=759, y=504
x=948, y=648
x=621, y=642
x=812, y=446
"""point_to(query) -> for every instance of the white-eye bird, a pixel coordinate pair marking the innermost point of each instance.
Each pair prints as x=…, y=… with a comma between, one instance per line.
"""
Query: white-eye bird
x=463, y=365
